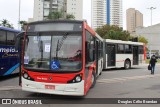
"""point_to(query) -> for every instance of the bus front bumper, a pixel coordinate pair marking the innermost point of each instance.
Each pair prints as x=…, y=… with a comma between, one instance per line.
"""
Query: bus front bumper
x=73, y=89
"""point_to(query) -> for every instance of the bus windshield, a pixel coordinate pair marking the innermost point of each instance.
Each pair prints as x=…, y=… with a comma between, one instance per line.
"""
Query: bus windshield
x=53, y=53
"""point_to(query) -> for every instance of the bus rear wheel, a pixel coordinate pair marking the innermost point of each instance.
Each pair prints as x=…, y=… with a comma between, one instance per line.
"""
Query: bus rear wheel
x=127, y=64
x=93, y=79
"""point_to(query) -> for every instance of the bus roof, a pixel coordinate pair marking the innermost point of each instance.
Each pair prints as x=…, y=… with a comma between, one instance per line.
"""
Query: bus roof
x=53, y=21
x=99, y=37
x=123, y=42
x=9, y=29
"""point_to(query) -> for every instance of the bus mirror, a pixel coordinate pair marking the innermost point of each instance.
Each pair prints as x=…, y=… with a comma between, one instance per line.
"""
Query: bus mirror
x=18, y=39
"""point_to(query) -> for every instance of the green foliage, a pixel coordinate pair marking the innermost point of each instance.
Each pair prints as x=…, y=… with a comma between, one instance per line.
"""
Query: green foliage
x=113, y=32
x=70, y=16
x=6, y=23
x=23, y=24
x=147, y=61
x=55, y=15
x=142, y=39
x=59, y=15
x=117, y=33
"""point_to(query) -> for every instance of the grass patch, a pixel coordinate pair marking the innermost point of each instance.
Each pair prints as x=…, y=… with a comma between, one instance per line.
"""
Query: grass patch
x=147, y=61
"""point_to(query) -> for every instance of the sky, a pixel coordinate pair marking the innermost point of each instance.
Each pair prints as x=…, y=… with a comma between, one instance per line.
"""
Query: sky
x=9, y=9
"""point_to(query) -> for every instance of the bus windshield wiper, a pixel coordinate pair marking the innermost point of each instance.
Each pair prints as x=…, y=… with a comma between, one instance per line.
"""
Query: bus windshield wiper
x=60, y=43
x=40, y=45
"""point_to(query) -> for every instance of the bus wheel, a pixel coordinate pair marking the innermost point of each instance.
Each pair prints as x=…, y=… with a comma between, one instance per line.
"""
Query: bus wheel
x=93, y=80
x=127, y=64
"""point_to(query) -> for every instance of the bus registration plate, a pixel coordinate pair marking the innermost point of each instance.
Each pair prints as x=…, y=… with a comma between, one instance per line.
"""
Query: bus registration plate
x=51, y=87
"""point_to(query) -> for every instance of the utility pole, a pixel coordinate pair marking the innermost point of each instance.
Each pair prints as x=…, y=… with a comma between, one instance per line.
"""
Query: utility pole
x=19, y=14
x=151, y=8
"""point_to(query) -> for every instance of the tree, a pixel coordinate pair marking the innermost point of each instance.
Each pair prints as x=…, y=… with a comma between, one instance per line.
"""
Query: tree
x=6, y=23
x=142, y=39
x=59, y=15
x=70, y=16
x=113, y=32
x=23, y=24
x=55, y=15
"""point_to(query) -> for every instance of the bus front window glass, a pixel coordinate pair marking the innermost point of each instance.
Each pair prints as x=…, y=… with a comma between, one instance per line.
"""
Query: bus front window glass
x=53, y=53
x=66, y=52
x=37, y=53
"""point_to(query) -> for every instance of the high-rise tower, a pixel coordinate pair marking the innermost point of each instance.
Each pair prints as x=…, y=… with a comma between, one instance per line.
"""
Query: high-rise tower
x=106, y=12
x=42, y=8
x=114, y=12
x=134, y=19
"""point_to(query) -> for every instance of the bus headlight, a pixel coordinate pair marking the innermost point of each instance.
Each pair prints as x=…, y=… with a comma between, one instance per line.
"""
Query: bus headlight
x=76, y=79
x=25, y=75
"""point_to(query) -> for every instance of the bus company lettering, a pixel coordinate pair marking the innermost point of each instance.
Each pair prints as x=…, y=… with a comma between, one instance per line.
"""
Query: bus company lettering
x=9, y=55
x=8, y=50
x=41, y=78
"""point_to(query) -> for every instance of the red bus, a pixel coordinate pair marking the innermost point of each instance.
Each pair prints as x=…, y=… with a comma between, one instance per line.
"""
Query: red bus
x=61, y=57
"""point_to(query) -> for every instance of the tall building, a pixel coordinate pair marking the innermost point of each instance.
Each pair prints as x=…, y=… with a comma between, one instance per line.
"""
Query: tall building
x=42, y=8
x=134, y=19
x=98, y=13
x=75, y=7
x=114, y=12
x=38, y=10
x=106, y=12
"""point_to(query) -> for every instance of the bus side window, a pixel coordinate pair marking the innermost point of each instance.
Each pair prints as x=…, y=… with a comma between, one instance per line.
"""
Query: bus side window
x=128, y=48
x=120, y=49
x=89, y=46
x=10, y=38
x=141, y=51
x=2, y=37
x=87, y=56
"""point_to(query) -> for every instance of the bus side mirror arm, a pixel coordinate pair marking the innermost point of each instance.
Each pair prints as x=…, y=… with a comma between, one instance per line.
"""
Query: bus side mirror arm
x=18, y=39
x=18, y=47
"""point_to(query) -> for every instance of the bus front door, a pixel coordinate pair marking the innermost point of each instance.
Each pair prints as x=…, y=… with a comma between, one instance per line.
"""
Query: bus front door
x=135, y=55
x=111, y=55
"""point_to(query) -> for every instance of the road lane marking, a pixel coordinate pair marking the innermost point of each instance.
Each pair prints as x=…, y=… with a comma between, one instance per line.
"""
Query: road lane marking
x=6, y=88
x=122, y=79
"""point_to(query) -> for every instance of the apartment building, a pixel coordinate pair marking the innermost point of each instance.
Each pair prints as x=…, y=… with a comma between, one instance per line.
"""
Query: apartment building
x=114, y=12
x=42, y=8
x=134, y=19
x=106, y=12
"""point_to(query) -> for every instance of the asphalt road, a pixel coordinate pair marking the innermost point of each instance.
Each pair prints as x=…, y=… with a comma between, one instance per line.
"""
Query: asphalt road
x=113, y=83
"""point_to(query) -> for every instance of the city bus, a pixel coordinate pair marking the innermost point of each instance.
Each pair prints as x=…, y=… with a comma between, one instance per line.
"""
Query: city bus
x=61, y=57
x=9, y=57
x=126, y=54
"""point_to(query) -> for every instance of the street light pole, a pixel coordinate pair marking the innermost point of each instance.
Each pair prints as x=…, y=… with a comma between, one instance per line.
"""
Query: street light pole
x=19, y=14
x=151, y=8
